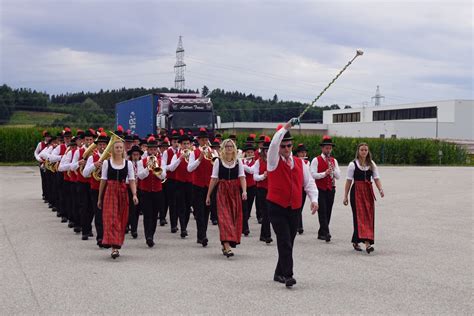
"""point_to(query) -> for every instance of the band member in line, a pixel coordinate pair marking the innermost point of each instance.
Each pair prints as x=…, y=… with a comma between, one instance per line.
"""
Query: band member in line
x=360, y=173
x=50, y=189
x=287, y=176
x=113, y=197
x=228, y=170
x=248, y=162
x=39, y=148
x=84, y=205
x=200, y=165
x=259, y=142
x=170, y=184
x=302, y=153
x=184, y=186
x=260, y=176
x=134, y=155
x=163, y=150
x=325, y=170
x=151, y=188
x=93, y=164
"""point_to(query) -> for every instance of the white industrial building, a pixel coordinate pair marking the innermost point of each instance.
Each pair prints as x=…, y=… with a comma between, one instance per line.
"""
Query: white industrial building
x=451, y=119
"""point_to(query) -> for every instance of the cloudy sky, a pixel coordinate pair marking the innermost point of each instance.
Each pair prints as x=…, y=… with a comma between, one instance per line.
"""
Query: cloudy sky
x=415, y=50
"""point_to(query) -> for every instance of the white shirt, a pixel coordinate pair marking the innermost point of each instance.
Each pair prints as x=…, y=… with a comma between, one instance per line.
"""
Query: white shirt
x=164, y=158
x=105, y=168
x=193, y=162
x=89, y=168
x=273, y=157
x=55, y=154
x=215, y=168
x=351, y=169
x=256, y=168
x=38, y=150
x=44, y=154
x=247, y=168
x=75, y=161
x=174, y=163
x=320, y=175
x=143, y=172
x=65, y=163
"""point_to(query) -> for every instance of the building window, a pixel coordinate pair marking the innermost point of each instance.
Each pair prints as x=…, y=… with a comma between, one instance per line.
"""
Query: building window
x=405, y=114
x=346, y=117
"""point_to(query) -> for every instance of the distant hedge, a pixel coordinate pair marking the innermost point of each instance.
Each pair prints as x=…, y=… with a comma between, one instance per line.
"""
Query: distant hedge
x=18, y=143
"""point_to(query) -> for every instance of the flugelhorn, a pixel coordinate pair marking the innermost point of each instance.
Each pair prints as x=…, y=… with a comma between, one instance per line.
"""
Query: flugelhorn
x=185, y=153
x=154, y=166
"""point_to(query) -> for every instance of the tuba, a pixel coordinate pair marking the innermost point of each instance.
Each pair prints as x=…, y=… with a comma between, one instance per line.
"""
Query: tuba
x=89, y=151
x=97, y=174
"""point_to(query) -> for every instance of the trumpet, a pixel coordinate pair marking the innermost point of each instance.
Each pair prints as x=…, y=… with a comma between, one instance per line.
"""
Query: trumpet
x=186, y=153
x=97, y=174
x=154, y=166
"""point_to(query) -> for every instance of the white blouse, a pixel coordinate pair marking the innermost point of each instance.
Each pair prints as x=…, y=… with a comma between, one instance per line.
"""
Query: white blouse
x=105, y=168
x=215, y=168
x=351, y=169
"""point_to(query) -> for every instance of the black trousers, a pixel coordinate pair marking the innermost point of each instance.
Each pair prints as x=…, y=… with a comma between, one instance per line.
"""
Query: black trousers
x=60, y=187
x=325, y=201
x=165, y=203
x=44, y=191
x=300, y=216
x=201, y=211
x=213, y=210
x=85, y=207
x=67, y=200
x=247, y=207
x=183, y=198
x=76, y=215
x=285, y=224
x=48, y=186
x=99, y=227
x=152, y=205
x=262, y=204
x=170, y=191
x=133, y=213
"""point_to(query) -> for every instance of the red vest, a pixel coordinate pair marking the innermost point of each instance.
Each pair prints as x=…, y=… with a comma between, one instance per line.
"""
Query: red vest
x=80, y=178
x=42, y=145
x=285, y=185
x=325, y=183
x=249, y=176
x=170, y=174
x=202, y=174
x=94, y=184
x=262, y=167
x=257, y=154
x=181, y=171
x=151, y=183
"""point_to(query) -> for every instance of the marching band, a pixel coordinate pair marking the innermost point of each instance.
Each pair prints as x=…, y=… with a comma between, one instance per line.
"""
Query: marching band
x=110, y=179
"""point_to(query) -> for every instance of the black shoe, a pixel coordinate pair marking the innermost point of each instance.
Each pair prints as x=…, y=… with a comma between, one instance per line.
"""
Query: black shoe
x=246, y=233
x=115, y=254
x=328, y=238
x=322, y=237
x=50, y=205
x=162, y=222
x=214, y=222
x=58, y=214
x=259, y=220
x=174, y=230
x=85, y=237
x=54, y=209
x=269, y=240
x=356, y=247
x=127, y=230
x=184, y=234
x=63, y=220
x=279, y=278
x=91, y=234
x=70, y=224
x=300, y=231
x=205, y=241
x=150, y=242
x=99, y=243
x=263, y=239
x=369, y=249
x=134, y=235
x=228, y=253
x=77, y=230
x=289, y=282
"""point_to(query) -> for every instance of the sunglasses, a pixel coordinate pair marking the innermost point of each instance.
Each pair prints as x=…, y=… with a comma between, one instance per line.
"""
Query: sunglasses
x=286, y=146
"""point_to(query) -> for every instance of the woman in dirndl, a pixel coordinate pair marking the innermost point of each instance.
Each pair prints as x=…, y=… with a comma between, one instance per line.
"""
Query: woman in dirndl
x=113, y=197
x=228, y=171
x=360, y=172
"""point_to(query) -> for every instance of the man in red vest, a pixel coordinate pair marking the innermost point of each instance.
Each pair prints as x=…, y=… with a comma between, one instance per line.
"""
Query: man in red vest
x=325, y=171
x=288, y=176
x=260, y=175
x=169, y=187
x=152, y=190
x=201, y=169
x=39, y=148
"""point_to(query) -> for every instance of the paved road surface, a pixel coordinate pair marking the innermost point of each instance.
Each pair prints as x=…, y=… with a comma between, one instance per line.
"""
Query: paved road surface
x=422, y=263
